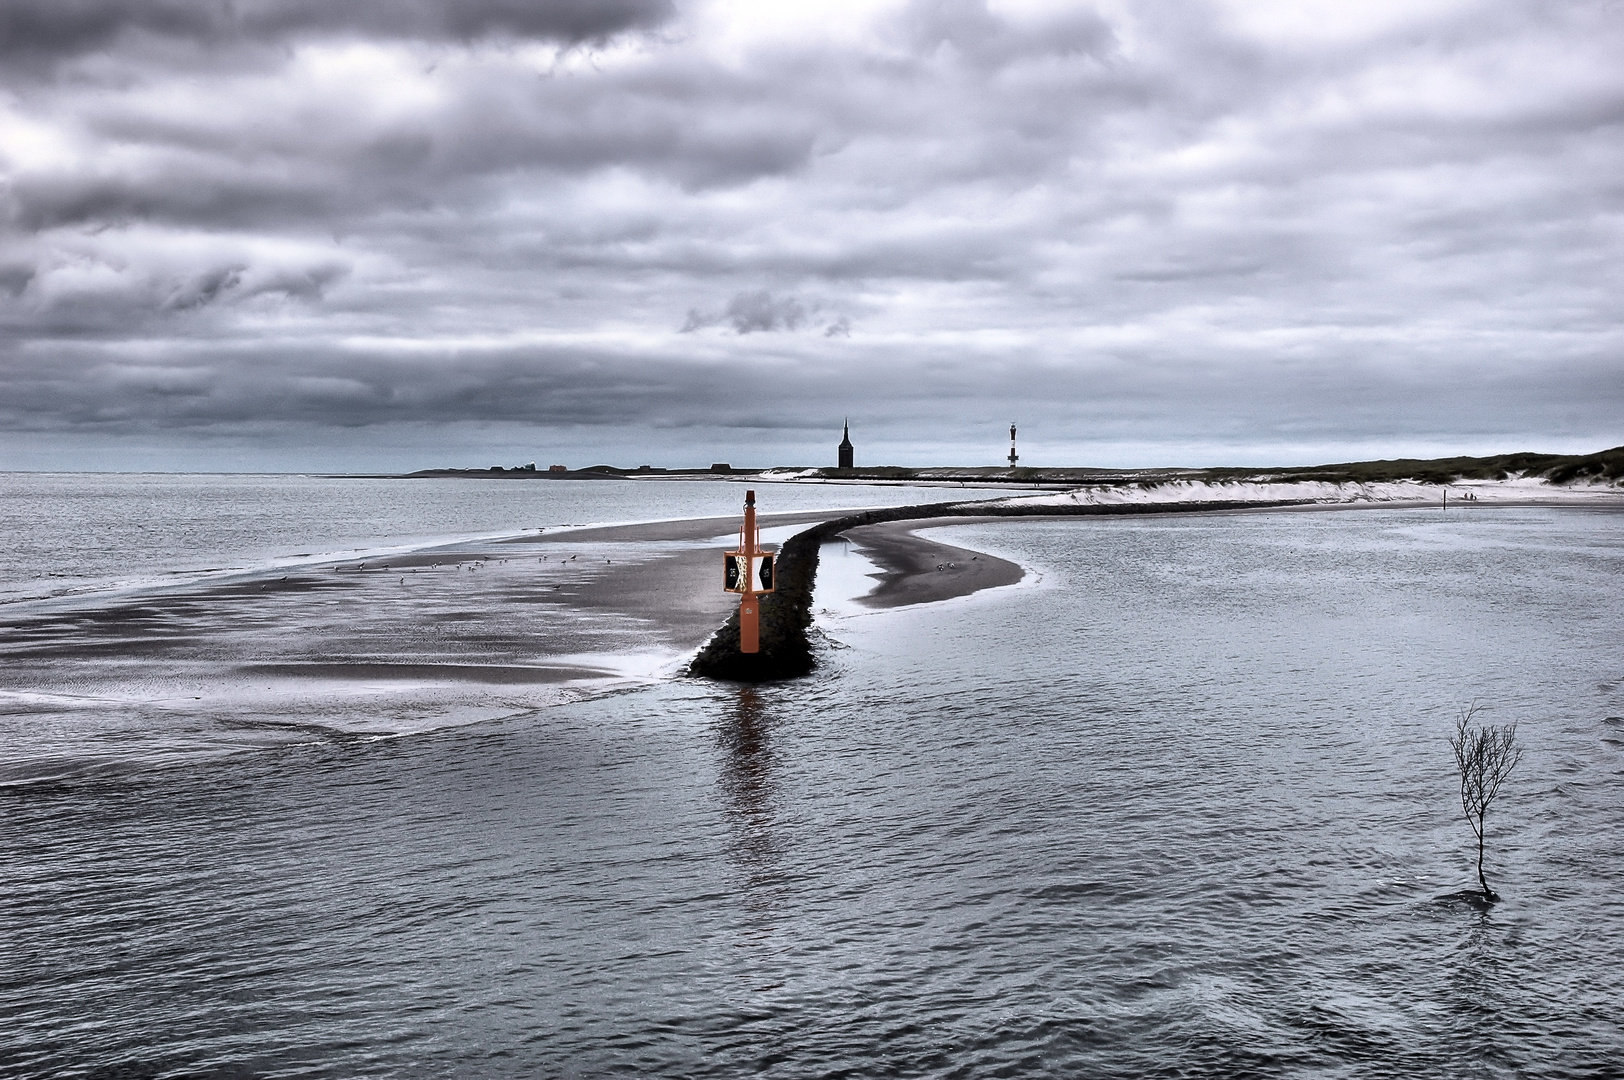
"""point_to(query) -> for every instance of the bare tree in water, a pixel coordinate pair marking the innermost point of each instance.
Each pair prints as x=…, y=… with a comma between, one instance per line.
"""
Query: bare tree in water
x=1485, y=754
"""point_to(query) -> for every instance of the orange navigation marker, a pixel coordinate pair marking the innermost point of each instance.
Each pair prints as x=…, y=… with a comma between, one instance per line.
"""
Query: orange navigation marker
x=749, y=571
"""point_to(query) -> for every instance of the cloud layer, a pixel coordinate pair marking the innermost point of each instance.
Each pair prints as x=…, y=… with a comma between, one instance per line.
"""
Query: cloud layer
x=370, y=234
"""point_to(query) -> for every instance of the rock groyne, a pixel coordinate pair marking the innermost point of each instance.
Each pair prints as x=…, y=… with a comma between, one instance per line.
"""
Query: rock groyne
x=786, y=614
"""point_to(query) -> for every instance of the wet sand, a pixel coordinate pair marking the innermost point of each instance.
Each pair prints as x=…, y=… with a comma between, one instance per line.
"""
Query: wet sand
x=414, y=642
x=919, y=569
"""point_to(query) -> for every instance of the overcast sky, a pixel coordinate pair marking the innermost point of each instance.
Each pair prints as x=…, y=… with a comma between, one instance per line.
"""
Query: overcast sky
x=392, y=234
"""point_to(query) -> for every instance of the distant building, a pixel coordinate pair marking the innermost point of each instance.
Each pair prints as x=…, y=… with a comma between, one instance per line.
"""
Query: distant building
x=1013, y=456
x=720, y=467
x=558, y=468
x=846, y=448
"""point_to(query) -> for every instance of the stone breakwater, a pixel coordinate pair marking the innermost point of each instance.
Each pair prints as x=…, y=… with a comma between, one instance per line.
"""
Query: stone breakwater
x=786, y=614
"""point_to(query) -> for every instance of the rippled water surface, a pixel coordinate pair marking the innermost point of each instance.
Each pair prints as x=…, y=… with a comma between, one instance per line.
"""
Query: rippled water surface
x=1179, y=805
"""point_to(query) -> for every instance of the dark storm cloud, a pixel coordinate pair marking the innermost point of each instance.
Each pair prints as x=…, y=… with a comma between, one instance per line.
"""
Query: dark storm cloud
x=1144, y=224
x=208, y=166
x=172, y=191
x=749, y=312
x=1348, y=401
x=51, y=29
x=349, y=388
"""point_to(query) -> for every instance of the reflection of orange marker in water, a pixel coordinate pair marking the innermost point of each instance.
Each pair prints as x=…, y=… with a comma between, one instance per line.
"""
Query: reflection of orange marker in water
x=749, y=623
x=749, y=571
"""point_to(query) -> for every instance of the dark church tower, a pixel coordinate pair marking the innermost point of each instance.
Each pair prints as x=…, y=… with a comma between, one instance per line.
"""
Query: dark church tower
x=846, y=447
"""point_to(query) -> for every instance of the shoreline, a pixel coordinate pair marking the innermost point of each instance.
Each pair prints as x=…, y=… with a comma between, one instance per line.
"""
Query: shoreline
x=456, y=634
x=1603, y=467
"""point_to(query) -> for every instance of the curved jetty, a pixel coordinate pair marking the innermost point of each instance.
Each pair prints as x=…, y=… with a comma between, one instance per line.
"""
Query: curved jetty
x=786, y=615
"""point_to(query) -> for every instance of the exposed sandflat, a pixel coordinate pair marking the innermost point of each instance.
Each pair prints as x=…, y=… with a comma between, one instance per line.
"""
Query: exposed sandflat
x=444, y=636
x=919, y=569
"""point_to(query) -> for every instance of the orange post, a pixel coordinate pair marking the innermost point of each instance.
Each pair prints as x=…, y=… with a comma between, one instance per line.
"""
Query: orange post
x=749, y=605
x=749, y=571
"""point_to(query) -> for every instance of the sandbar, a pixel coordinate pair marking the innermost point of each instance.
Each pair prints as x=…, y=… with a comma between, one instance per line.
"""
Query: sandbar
x=438, y=636
x=916, y=569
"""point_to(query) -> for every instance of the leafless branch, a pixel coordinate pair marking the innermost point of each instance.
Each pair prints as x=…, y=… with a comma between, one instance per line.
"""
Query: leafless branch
x=1485, y=754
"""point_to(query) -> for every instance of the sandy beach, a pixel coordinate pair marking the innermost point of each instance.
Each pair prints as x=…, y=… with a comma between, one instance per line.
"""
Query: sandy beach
x=1520, y=491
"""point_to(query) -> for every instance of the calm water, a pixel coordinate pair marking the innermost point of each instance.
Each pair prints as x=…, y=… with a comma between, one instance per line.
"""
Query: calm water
x=1180, y=805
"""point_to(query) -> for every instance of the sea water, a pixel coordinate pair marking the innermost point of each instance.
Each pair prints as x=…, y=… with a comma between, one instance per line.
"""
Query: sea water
x=82, y=533
x=1179, y=804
